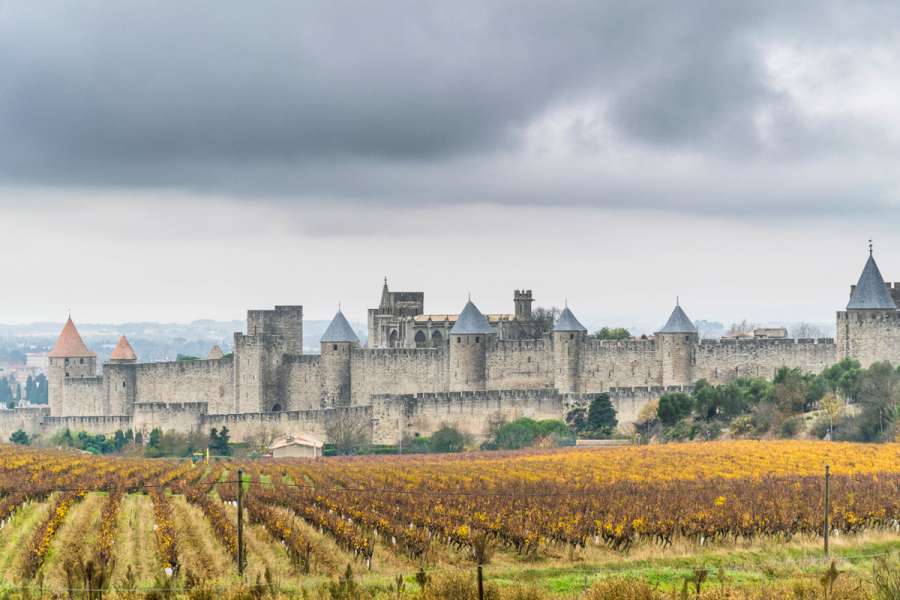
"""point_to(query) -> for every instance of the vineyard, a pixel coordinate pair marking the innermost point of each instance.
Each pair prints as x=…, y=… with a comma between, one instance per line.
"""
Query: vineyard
x=72, y=520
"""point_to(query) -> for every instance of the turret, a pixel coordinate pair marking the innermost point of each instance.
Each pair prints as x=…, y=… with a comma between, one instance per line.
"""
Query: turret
x=869, y=329
x=522, y=299
x=675, y=347
x=468, y=350
x=120, y=379
x=215, y=353
x=568, y=338
x=68, y=359
x=338, y=343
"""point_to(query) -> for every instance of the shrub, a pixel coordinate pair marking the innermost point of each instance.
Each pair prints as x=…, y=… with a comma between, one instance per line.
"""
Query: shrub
x=447, y=439
x=673, y=407
x=621, y=589
x=791, y=427
x=742, y=425
x=20, y=437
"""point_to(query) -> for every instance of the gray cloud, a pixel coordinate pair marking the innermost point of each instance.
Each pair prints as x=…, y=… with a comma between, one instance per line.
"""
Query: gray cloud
x=410, y=103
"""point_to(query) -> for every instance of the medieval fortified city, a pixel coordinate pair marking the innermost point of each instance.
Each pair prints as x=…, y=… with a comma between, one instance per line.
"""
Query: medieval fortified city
x=450, y=300
x=422, y=371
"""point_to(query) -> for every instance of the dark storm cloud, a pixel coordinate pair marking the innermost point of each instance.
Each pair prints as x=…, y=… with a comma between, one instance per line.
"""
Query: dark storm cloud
x=356, y=101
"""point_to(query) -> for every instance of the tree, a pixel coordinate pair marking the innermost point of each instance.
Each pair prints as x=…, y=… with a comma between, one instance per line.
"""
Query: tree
x=349, y=432
x=673, y=407
x=218, y=442
x=447, y=439
x=879, y=395
x=743, y=327
x=601, y=416
x=790, y=391
x=20, y=437
x=119, y=439
x=843, y=377
x=154, y=444
x=832, y=406
x=545, y=317
x=706, y=399
x=40, y=390
x=612, y=333
x=806, y=331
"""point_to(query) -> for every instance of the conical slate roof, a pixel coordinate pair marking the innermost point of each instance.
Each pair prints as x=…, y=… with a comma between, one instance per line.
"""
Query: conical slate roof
x=471, y=321
x=123, y=351
x=871, y=292
x=678, y=323
x=70, y=344
x=339, y=330
x=568, y=322
x=215, y=353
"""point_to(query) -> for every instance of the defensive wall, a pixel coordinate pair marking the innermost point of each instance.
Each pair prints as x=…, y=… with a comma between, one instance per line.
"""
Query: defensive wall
x=720, y=361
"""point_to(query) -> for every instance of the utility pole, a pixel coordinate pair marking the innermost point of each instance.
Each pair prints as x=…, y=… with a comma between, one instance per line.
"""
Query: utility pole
x=240, y=522
x=827, y=507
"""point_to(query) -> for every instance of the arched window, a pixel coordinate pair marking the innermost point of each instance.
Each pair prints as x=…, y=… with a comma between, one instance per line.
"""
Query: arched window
x=420, y=339
x=436, y=336
x=276, y=408
x=393, y=338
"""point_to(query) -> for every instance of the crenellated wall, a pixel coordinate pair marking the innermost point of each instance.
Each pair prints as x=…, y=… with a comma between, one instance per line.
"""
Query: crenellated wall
x=607, y=364
x=313, y=422
x=869, y=335
x=396, y=415
x=396, y=371
x=209, y=381
x=519, y=365
x=720, y=361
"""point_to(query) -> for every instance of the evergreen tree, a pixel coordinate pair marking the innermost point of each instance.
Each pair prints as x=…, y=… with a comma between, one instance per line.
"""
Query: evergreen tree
x=601, y=417
x=20, y=437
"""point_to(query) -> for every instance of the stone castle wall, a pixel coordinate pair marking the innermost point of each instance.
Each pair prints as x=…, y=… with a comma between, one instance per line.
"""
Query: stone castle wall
x=869, y=336
x=314, y=422
x=471, y=412
x=609, y=364
x=302, y=382
x=396, y=371
x=519, y=365
x=209, y=381
x=83, y=396
x=721, y=361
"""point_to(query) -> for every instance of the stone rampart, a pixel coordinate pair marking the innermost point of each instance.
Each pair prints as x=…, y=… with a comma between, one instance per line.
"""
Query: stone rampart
x=720, y=361
x=607, y=364
x=83, y=396
x=313, y=422
x=519, y=365
x=397, y=371
x=396, y=415
x=30, y=420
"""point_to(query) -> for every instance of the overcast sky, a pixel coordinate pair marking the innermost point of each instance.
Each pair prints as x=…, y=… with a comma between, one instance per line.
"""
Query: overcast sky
x=183, y=160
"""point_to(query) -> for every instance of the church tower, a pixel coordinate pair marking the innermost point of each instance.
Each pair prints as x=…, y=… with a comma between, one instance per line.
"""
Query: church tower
x=568, y=338
x=69, y=359
x=675, y=347
x=869, y=329
x=337, y=345
x=468, y=350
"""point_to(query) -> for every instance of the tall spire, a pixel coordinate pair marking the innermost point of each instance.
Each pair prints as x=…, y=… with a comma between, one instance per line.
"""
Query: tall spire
x=678, y=322
x=339, y=330
x=871, y=293
x=385, y=295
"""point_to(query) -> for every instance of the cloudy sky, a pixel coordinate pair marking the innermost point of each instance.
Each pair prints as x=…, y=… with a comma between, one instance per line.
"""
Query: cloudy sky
x=192, y=159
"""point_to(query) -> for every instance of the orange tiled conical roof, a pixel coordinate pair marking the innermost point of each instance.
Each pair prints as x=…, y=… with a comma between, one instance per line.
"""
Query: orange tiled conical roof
x=123, y=351
x=70, y=344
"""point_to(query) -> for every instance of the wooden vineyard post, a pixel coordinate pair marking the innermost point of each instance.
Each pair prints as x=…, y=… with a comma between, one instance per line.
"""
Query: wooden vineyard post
x=240, y=523
x=827, y=507
x=480, y=584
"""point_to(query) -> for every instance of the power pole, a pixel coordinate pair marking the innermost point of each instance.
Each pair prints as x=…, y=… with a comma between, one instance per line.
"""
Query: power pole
x=827, y=507
x=240, y=523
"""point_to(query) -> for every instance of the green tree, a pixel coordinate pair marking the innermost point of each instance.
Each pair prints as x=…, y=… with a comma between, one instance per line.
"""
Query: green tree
x=790, y=391
x=20, y=437
x=153, y=449
x=447, y=439
x=673, y=407
x=612, y=333
x=879, y=396
x=517, y=434
x=706, y=399
x=119, y=440
x=843, y=377
x=218, y=442
x=601, y=416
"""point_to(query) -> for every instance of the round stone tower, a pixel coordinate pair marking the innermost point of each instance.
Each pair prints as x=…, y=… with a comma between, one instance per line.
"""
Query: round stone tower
x=68, y=359
x=337, y=345
x=675, y=347
x=869, y=329
x=119, y=376
x=468, y=350
x=568, y=338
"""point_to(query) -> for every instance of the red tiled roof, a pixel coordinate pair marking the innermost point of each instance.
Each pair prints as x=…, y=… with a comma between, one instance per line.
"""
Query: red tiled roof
x=123, y=351
x=70, y=344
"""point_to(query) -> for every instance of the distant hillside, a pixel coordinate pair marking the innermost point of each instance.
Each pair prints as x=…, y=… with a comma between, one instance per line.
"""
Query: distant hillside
x=151, y=341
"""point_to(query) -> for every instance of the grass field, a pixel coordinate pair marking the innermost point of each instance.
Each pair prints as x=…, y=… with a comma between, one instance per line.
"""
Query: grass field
x=740, y=516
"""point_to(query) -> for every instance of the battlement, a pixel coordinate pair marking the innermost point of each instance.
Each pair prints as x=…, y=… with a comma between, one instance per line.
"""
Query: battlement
x=762, y=342
x=397, y=353
x=172, y=407
x=82, y=381
x=299, y=359
x=518, y=345
x=640, y=345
